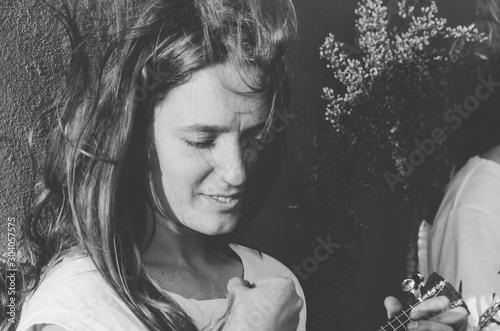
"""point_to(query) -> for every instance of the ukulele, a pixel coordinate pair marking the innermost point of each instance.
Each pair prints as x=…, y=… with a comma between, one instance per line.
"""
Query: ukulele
x=421, y=291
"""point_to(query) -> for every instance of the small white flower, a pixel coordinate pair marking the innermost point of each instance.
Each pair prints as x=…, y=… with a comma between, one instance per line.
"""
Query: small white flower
x=379, y=49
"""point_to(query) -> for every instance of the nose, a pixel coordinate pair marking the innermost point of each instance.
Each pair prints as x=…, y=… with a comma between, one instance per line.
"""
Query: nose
x=232, y=164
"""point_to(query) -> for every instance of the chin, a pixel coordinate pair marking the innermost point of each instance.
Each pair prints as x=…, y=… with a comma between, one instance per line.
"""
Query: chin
x=219, y=229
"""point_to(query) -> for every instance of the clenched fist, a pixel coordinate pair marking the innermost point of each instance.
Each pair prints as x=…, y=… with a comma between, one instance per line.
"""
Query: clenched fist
x=268, y=305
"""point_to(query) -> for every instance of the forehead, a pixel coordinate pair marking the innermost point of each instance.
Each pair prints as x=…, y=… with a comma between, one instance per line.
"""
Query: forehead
x=217, y=95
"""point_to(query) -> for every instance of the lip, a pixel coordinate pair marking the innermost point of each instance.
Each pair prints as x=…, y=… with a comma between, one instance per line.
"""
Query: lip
x=230, y=205
x=226, y=195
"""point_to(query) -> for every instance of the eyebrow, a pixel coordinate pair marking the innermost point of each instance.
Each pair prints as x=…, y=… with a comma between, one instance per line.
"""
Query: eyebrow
x=220, y=129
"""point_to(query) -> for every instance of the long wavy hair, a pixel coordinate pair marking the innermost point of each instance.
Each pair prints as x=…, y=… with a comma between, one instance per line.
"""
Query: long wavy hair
x=95, y=180
x=481, y=131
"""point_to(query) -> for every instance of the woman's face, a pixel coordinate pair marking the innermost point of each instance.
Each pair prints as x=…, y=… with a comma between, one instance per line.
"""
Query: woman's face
x=202, y=131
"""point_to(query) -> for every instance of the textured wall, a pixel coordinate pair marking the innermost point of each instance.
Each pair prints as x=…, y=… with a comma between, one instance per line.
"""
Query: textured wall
x=30, y=68
x=31, y=57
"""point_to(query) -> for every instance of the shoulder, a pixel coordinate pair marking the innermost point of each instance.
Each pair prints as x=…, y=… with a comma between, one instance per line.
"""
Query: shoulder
x=476, y=186
x=73, y=295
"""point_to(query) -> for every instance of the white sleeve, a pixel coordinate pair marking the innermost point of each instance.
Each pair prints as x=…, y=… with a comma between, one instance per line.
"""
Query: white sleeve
x=77, y=299
x=477, y=258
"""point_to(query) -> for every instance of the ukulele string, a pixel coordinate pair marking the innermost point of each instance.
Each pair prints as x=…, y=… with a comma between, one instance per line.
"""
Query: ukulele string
x=400, y=319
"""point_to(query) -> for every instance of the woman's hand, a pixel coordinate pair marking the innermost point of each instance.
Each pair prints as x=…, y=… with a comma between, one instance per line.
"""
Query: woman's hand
x=434, y=314
x=271, y=304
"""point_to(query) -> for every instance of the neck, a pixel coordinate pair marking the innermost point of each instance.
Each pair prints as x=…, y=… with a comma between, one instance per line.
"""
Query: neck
x=169, y=243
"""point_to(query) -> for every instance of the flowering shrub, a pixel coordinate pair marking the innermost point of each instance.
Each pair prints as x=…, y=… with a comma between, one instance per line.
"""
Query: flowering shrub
x=395, y=99
x=395, y=95
x=382, y=51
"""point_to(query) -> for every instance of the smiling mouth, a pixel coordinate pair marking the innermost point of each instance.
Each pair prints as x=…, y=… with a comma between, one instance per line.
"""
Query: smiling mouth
x=224, y=202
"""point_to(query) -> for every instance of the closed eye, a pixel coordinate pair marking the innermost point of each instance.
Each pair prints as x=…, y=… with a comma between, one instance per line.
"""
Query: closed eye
x=201, y=144
x=256, y=135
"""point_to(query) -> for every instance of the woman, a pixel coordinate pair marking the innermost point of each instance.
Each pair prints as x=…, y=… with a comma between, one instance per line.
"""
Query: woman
x=463, y=244
x=159, y=158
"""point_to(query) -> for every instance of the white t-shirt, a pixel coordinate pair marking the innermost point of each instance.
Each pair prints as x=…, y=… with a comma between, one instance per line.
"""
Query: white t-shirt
x=76, y=297
x=463, y=244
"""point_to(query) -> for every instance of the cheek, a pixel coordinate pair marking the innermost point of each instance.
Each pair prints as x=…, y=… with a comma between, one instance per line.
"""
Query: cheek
x=182, y=169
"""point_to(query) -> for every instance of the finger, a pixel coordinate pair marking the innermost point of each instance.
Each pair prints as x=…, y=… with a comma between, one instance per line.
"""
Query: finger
x=456, y=317
x=283, y=284
x=393, y=306
x=430, y=307
x=274, y=280
x=300, y=303
x=428, y=326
